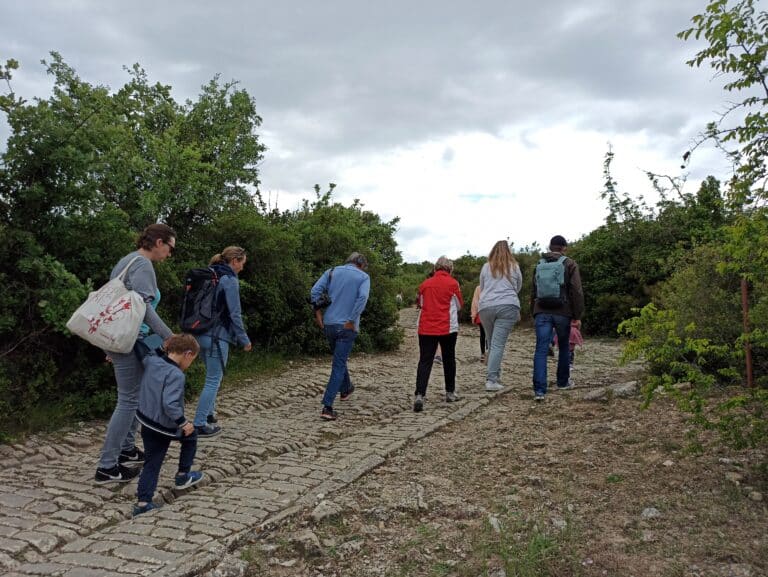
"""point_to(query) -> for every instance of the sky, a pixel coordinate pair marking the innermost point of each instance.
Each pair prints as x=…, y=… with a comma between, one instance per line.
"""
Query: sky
x=470, y=121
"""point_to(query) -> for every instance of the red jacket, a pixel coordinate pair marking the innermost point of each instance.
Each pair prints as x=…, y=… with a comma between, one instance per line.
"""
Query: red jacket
x=440, y=299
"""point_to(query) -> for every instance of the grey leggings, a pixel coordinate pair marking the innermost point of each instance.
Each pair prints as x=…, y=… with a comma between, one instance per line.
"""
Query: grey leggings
x=121, y=431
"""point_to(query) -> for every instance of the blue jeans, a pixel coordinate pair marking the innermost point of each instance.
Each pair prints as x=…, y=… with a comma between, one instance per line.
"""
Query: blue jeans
x=121, y=431
x=545, y=323
x=155, y=448
x=341, y=341
x=498, y=321
x=214, y=353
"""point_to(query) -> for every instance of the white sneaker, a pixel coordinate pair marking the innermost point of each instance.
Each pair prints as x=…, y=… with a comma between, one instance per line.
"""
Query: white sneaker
x=492, y=387
x=570, y=385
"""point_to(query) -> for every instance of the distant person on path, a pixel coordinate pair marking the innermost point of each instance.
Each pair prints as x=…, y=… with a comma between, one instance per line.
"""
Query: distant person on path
x=155, y=244
x=348, y=287
x=499, y=306
x=557, y=300
x=440, y=300
x=161, y=414
x=476, y=321
x=214, y=345
x=575, y=339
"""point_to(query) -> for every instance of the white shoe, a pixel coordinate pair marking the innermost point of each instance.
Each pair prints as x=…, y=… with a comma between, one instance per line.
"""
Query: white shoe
x=492, y=387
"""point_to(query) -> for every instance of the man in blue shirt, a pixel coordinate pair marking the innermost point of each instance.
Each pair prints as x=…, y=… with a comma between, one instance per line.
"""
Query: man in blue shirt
x=347, y=288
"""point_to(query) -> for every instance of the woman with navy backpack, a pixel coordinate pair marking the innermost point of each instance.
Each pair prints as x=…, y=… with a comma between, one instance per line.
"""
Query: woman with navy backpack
x=214, y=344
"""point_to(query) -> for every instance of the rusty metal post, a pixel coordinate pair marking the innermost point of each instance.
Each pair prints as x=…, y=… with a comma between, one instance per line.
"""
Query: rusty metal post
x=745, y=317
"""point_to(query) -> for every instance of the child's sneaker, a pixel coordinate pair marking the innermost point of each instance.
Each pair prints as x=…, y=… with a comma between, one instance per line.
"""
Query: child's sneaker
x=140, y=509
x=186, y=480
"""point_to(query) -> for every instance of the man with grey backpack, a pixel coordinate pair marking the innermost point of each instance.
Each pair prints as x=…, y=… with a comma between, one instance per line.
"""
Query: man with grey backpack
x=556, y=299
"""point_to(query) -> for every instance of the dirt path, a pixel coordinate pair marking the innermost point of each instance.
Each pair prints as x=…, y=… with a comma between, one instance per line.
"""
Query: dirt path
x=492, y=485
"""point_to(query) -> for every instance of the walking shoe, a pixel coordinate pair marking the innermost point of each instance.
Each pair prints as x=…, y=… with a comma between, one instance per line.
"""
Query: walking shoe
x=135, y=455
x=569, y=386
x=346, y=394
x=438, y=359
x=538, y=397
x=492, y=387
x=551, y=352
x=329, y=414
x=418, y=404
x=117, y=474
x=207, y=431
x=139, y=509
x=451, y=397
x=186, y=480
x=211, y=419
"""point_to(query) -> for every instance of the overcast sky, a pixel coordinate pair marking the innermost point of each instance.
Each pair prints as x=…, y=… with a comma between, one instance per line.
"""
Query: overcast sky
x=470, y=121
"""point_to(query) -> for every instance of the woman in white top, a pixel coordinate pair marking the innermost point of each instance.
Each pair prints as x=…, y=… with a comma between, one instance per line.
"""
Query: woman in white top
x=499, y=306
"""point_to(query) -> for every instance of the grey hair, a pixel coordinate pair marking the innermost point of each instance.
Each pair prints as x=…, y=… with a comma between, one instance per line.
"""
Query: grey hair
x=357, y=259
x=444, y=263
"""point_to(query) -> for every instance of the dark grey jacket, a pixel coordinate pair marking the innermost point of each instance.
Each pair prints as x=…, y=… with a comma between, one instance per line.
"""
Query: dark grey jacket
x=161, y=398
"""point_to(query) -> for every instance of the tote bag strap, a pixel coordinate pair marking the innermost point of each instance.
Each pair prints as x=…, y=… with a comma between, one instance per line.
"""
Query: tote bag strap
x=125, y=270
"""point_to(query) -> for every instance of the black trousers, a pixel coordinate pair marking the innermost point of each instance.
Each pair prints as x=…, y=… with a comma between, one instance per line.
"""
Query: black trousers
x=483, y=347
x=427, y=349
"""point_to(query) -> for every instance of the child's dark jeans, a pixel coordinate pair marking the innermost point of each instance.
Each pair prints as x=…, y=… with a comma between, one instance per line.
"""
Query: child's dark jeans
x=155, y=448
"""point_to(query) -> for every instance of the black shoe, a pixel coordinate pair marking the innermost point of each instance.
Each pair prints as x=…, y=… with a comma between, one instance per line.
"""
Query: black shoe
x=207, y=431
x=135, y=455
x=211, y=419
x=117, y=474
x=346, y=394
x=329, y=414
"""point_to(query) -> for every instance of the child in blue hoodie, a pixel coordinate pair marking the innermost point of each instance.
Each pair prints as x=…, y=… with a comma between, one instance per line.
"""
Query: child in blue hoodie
x=161, y=414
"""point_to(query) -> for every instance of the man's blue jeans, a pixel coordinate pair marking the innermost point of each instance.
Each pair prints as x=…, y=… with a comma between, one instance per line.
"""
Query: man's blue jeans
x=341, y=341
x=545, y=323
x=214, y=355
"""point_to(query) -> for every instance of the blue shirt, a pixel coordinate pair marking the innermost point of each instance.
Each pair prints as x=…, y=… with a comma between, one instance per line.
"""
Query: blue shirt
x=349, y=288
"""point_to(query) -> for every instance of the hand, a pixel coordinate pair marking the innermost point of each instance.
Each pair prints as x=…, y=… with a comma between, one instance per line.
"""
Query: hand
x=108, y=359
x=319, y=318
x=188, y=429
x=248, y=347
x=349, y=325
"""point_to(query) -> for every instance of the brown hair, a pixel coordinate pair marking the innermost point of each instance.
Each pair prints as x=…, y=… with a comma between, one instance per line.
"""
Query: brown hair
x=154, y=232
x=228, y=255
x=501, y=260
x=181, y=343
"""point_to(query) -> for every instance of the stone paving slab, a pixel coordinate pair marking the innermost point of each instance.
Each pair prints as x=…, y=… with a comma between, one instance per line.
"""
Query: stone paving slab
x=275, y=456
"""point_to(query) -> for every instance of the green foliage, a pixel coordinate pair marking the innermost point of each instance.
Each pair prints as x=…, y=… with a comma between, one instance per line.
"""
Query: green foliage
x=86, y=169
x=737, y=49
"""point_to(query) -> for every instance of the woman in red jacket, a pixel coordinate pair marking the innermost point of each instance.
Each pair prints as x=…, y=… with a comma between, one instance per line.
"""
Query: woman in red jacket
x=440, y=301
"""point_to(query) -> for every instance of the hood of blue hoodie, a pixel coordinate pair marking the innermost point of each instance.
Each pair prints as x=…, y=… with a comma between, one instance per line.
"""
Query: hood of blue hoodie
x=223, y=270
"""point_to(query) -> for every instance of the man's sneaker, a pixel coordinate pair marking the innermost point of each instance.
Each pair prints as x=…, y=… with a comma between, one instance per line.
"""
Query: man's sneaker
x=451, y=397
x=211, y=419
x=418, y=404
x=329, y=414
x=570, y=385
x=117, y=474
x=207, y=431
x=492, y=387
x=139, y=509
x=128, y=457
x=346, y=394
x=186, y=480
x=538, y=397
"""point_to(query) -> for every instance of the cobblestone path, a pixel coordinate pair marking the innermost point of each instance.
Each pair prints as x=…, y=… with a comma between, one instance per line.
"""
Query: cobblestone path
x=274, y=457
